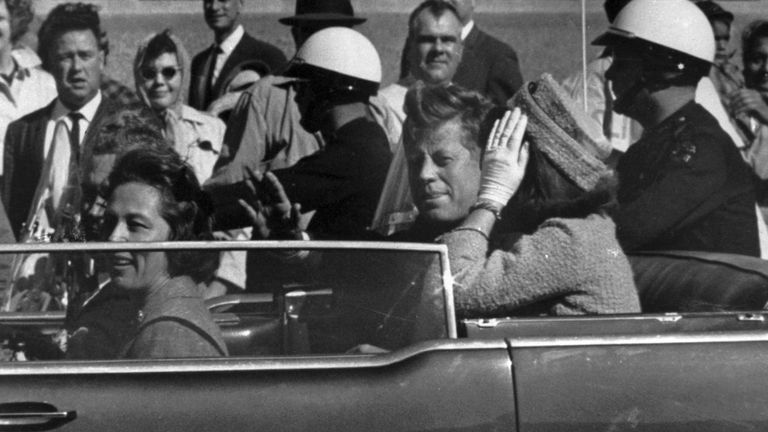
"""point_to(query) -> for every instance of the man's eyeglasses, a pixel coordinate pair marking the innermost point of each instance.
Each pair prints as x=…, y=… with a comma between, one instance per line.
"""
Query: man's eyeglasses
x=168, y=73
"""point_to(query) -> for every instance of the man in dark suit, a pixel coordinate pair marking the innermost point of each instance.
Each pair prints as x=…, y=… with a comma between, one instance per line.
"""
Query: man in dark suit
x=232, y=46
x=71, y=51
x=488, y=65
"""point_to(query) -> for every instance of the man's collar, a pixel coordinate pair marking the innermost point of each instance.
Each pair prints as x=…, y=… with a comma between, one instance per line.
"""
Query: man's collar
x=88, y=110
x=228, y=45
x=466, y=29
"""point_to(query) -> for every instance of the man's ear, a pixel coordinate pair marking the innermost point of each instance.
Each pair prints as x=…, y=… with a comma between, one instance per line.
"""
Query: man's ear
x=103, y=60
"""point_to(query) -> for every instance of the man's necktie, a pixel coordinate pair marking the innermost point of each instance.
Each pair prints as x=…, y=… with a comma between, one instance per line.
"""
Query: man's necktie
x=210, y=81
x=67, y=211
x=74, y=136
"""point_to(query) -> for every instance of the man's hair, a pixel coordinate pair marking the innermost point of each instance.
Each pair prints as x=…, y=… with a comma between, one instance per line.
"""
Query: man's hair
x=429, y=107
x=436, y=7
x=131, y=127
x=68, y=17
x=160, y=44
x=755, y=31
x=184, y=206
x=714, y=11
x=20, y=14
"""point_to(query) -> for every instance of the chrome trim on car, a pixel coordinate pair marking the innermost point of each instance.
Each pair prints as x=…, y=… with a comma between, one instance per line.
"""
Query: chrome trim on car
x=232, y=364
x=751, y=317
x=219, y=245
x=669, y=317
x=661, y=339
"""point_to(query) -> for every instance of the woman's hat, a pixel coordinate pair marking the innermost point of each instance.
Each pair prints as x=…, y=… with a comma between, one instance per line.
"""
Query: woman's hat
x=572, y=140
x=326, y=12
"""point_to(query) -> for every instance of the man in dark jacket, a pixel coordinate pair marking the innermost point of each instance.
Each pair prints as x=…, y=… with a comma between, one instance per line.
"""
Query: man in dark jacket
x=488, y=65
x=232, y=46
x=72, y=51
x=683, y=185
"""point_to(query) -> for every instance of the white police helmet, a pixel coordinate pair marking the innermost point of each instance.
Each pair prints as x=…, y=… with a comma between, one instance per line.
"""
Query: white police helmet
x=340, y=59
x=679, y=26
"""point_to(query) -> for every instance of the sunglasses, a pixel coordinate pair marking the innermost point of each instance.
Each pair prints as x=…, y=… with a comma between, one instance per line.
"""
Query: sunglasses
x=168, y=73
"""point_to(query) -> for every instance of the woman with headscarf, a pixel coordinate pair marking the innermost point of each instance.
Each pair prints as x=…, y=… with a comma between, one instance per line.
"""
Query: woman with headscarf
x=161, y=71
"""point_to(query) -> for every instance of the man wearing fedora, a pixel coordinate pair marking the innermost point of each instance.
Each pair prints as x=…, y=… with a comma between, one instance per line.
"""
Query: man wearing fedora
x=264, y=130
x=232, y=46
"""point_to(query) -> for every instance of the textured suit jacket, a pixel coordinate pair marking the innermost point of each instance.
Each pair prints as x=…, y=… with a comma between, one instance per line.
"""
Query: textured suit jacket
x=488, y=66
x=248, y=49
x=24, y=158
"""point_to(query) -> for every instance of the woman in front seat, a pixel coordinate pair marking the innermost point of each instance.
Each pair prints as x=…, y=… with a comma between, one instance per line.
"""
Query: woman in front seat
x=152, y=195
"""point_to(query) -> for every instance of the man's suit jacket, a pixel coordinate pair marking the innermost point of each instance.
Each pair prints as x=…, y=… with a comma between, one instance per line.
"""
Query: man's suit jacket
x=488, y=66
x=24, y=159
x=248, y=49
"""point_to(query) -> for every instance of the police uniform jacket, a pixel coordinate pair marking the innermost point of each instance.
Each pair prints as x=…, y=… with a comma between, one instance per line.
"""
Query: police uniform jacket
x=343, y=181
x=685, y=186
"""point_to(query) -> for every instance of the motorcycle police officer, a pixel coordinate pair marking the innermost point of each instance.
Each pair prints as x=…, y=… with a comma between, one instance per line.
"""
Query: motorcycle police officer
x=338, y=70
x=683, y=185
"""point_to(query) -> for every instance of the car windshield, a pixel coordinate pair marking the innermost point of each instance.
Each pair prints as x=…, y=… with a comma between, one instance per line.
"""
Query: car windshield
x=299, y=298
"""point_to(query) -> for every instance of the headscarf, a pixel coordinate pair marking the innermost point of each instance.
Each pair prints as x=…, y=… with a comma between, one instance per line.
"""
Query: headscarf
x=182, y=57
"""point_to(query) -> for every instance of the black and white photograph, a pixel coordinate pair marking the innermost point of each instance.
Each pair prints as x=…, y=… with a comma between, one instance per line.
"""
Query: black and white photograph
x=383, y=215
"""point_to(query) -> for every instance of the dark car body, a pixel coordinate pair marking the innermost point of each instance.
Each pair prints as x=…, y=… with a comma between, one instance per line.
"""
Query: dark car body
x=652, y=372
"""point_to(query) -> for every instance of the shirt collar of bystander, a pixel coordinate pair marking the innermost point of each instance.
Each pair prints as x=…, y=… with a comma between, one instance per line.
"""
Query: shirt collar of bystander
x=228, y=45
x=88, y=110
x=466, y=29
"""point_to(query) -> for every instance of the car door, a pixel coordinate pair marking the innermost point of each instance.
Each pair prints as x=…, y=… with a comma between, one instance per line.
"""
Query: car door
x=697, y=372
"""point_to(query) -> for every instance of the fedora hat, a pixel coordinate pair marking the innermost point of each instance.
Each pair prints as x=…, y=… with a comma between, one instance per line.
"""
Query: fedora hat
x=326, y=12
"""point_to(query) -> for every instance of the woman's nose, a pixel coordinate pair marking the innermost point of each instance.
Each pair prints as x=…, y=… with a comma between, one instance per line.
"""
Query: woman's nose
x=118, y=234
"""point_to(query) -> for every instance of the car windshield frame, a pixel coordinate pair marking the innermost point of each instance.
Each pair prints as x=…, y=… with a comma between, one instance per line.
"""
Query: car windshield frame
x=437, y=250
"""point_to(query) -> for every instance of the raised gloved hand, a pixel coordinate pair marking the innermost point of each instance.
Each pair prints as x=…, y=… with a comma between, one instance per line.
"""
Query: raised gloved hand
x=505, y=159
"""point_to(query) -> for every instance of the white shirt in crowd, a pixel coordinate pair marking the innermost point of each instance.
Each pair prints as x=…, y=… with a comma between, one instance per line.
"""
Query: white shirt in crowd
x=227, y=46
x=30, y=89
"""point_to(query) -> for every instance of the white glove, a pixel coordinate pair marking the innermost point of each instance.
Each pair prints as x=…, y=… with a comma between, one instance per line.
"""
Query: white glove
x=505, y=159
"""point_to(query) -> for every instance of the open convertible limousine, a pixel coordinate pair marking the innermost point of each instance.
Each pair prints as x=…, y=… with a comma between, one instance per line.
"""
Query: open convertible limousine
x=363, y=336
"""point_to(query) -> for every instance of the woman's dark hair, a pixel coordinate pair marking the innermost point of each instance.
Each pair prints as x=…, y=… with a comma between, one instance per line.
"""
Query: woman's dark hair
x=130, y=127
x=184, y=207
x=755, y=31
x=159, y=45
x=546, y=192
x=429, y=107
x=21, y=15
